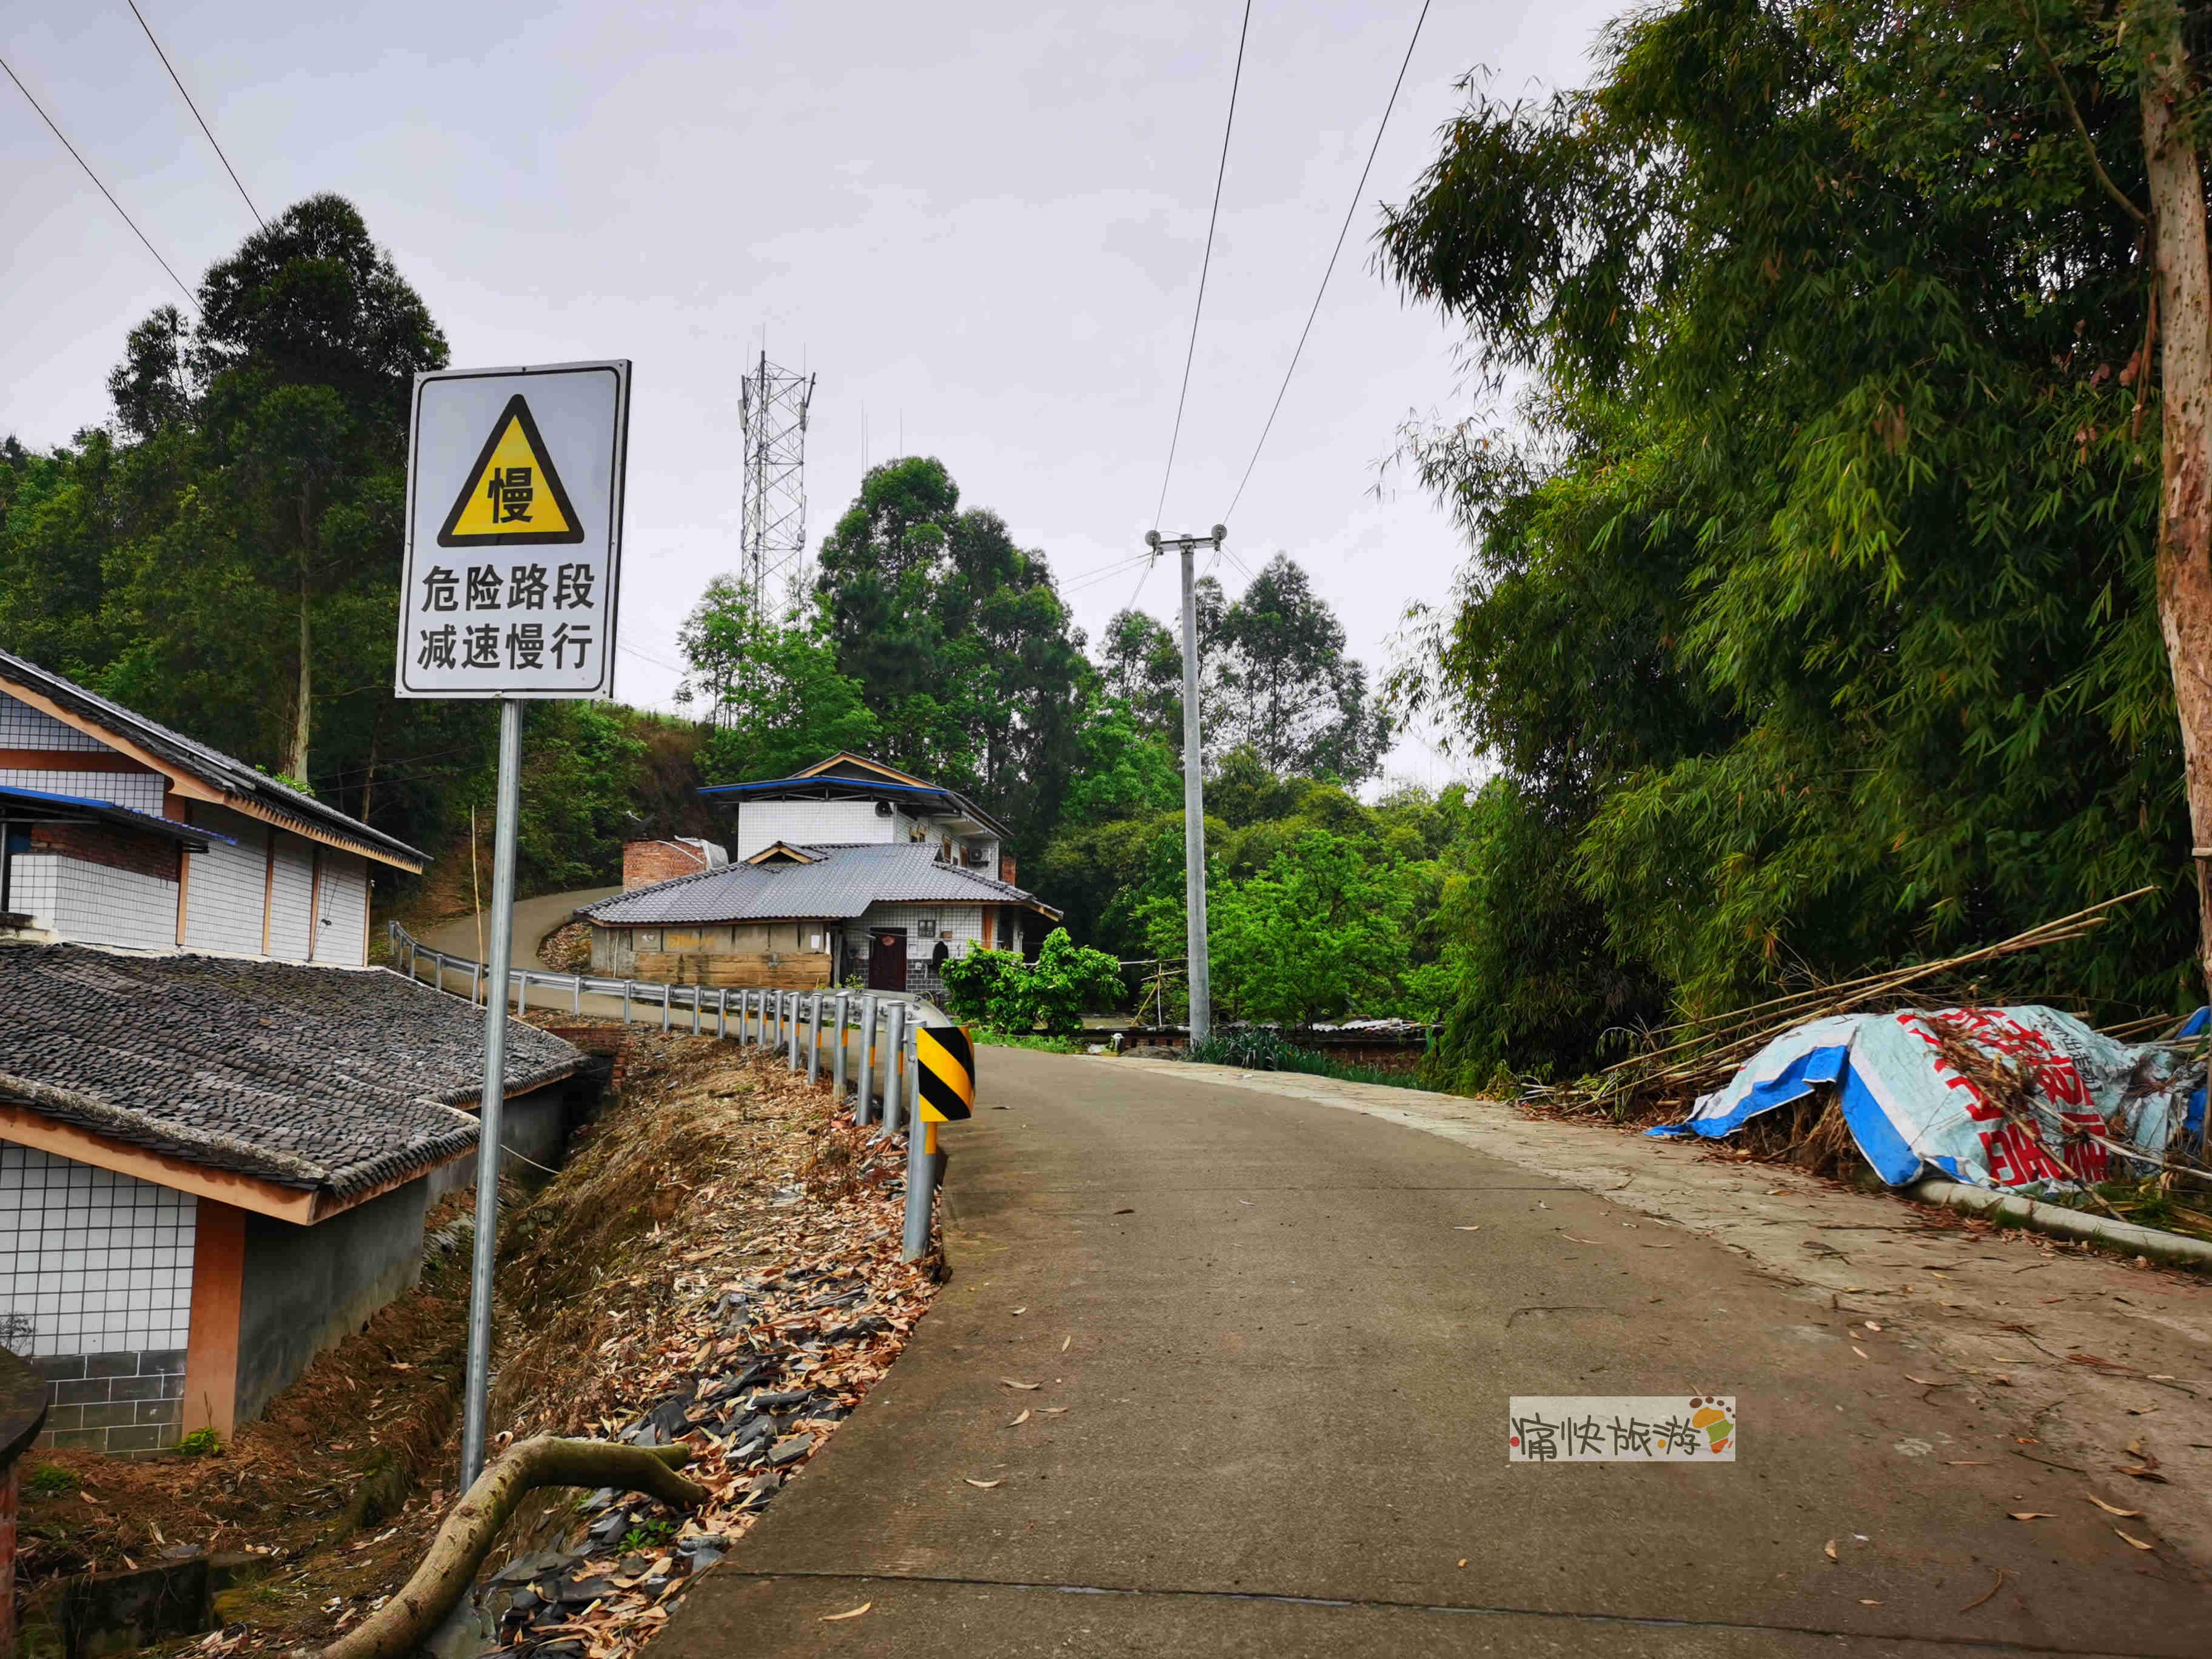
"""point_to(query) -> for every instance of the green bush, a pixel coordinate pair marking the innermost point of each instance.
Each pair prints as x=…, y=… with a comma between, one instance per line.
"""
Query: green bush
x=201, y=1442
x=1068, y=981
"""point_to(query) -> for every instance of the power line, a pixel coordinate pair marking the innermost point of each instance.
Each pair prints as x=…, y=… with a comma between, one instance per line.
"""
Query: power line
x=1205, y=264
x=94, y=177
x=1341, y=233
x=197, y=116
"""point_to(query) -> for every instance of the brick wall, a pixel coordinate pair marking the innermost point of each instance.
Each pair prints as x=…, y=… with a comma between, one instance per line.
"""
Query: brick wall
x=129, y=1401
x=645, y=862
x=110, y=846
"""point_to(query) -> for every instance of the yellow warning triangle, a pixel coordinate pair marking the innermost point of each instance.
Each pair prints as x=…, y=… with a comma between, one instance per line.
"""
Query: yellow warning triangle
x=513, y=496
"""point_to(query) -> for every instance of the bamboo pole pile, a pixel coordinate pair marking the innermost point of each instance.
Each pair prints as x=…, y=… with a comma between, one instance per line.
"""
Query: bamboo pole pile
x=1704, y=1052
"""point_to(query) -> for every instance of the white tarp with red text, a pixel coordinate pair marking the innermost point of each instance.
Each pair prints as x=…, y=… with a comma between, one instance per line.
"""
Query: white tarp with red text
x=2092, y=1099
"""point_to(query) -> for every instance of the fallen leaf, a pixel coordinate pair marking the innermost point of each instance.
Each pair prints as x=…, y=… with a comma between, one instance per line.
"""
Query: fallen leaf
x=1865, y=1604
x=2135, y=1448
x=1011, y=1383
x=2030, y=1514
x=2142, y=1472
x=1967, y=1463
x=1986, y=1594
x=1054, y=1411
x=1125, y=1212
x=1571, y=1239
x=832, y=1618
x=1463, y=1560
x=1467, y=1230
x=1018, y=1311
x=1065, y=1343
x=1828, y=1549
x=1019, y=1421
x=1927, y=1382
x=985, y=1484
x=1871, y=1326
x=2133, y=1539
x=1860, y=1352
x=2114, y=1508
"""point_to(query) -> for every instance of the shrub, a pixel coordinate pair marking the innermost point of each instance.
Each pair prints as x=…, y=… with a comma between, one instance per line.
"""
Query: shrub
x=201, y=1442
x=1068, y=981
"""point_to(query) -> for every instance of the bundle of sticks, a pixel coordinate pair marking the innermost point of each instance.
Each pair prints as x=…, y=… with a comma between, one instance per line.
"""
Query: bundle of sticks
x=1701, y=1054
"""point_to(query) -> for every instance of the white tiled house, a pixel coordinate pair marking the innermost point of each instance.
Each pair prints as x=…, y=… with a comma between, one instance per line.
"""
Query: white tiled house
x=850, y=870
x=203, y=1094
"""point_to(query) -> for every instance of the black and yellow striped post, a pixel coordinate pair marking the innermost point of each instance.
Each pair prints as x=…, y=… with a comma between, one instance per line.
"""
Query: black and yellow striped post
x=945, y=1064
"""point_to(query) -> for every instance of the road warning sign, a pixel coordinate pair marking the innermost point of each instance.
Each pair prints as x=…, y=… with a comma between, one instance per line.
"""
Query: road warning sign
x=948, y=1073
x=515, y=506
x=513, y=496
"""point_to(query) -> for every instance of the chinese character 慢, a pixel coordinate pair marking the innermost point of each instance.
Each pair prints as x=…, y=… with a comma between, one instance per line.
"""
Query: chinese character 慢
x=526, y=587
x=511, y=493
x=483, y=647
x=437, y=648
x=525, y=644
x=439, y=590
x=576, y=635
x=485, y=588
x=573, y=589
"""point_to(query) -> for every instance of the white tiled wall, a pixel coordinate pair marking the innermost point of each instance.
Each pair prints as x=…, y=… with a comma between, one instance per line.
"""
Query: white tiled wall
x=960, y=925
x=92, y=1261
x=805, y=822
x=142, y=791
x=342, y=926
x=291, y=899
x=223, y=900
x=93, y=904
x=23, y=726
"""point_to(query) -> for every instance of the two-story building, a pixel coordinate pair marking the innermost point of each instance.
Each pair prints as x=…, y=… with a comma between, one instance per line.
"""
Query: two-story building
x=851, y=870
x=220, y=1130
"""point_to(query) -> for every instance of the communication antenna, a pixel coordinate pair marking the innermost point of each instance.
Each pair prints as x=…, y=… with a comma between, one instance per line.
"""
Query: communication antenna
x=772, y=402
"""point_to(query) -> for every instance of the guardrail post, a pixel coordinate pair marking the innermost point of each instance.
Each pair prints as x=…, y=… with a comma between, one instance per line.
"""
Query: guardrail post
x=864, y=1096
x=894, y=1067
x=813, y=1039
x=921, y=1183
x=577, y=985
x=722, y=1013
x=789, y=1030
x=625, y=1002
x=837, y=1053
x=475, y=968
x=664, y=1007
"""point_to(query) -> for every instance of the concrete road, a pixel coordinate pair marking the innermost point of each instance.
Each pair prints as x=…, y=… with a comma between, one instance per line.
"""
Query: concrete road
x=1274, y=1342
x=534, y=918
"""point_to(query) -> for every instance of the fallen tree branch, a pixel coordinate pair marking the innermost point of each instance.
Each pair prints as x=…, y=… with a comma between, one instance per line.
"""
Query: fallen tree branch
x=401, y=1625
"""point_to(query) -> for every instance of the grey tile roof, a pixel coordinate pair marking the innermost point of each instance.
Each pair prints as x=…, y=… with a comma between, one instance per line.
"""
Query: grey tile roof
x=211, y=766
x=330, y=1078
x=843, y=884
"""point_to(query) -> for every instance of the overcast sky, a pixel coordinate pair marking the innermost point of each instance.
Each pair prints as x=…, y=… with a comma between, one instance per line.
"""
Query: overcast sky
x=981, y=225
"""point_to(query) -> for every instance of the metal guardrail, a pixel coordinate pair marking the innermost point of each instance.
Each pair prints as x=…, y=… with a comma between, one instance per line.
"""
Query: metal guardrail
x=791, y=1023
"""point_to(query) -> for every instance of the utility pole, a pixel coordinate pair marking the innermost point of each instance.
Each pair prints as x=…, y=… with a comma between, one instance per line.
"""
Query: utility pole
x=1194, y=783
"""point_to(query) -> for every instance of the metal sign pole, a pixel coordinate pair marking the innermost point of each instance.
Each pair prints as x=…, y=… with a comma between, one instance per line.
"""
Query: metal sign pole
x=477, y=1406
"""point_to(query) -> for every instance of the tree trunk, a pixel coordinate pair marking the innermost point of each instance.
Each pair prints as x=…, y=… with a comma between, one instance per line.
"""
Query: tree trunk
x=296, y=762
x=2184, y=527
x=401, y=1624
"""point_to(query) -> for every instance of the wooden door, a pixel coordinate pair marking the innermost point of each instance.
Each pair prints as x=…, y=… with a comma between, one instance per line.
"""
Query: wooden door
x=887, y=959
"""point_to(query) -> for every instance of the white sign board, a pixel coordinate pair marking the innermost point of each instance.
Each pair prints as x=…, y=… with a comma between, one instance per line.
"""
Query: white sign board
x=514, y=504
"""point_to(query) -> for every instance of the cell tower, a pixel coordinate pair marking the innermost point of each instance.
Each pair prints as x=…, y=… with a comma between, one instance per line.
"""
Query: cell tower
x=772, y=402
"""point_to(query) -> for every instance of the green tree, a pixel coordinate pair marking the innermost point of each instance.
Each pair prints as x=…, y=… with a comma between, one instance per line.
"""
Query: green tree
x=959, y=642
x=1322, y=932
x=1278, y=684
x=775, y=699
x=1813, y=603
